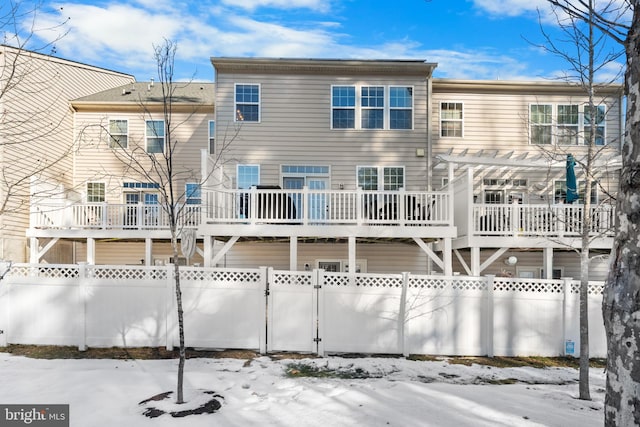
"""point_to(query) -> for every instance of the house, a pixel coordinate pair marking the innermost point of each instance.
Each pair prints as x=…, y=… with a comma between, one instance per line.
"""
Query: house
x=115, y=215
x=319, y=163
x=505, y=145
x=436, y=158
x=36, y=135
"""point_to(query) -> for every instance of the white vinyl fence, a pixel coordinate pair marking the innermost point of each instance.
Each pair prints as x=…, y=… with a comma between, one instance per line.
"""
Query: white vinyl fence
x=303, y=311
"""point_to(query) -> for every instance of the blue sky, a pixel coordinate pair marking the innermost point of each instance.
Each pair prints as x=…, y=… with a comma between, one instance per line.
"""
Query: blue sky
x=469, y=39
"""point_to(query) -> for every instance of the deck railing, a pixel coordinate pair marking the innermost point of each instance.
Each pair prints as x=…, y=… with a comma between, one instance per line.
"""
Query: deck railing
x=323, y=207
x=111, y=216
x=540, y=220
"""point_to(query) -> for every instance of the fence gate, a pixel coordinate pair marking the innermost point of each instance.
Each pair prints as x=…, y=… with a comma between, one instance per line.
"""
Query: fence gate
x=292, y=311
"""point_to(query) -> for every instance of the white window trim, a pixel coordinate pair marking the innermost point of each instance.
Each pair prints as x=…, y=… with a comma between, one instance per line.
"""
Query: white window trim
x=582, y=126
x=386, y=109
x=238, y=166
x=235, y=103
x=453, y=120
x=380, y=170
x=147, y=136
x=109, y=142
x=86, y=188
x=356, y=108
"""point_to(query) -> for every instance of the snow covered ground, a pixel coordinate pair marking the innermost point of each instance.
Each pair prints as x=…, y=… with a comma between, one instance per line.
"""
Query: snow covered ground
x=398, y=392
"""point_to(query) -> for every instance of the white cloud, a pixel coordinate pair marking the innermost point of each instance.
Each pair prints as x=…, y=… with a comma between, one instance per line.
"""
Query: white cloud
x=120, y=36
x=317, y=5
x=511, y=7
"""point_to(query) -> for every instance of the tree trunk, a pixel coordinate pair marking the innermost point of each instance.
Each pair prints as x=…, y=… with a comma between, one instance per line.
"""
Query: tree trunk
x=621, y=302
x=584, y=321
x=182, y=351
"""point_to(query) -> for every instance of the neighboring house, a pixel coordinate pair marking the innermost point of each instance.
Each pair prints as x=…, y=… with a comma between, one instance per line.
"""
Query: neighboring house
x=116, y=215
x=315, y=163
x=36, y=135
x=504, y=147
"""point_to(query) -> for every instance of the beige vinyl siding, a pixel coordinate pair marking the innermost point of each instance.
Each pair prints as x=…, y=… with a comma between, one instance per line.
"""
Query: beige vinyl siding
x=567, y=260
x=380, y=258
x=37, y=130
x=129, y=253
x=96, y=161
x=295, y=128
x=500, y=121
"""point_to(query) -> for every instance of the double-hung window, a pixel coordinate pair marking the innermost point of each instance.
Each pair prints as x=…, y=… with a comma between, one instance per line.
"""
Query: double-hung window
x=541, y=128
x=247, y=102
x=371, y=107
x=96, y=192
x=118, y=133
x=193, y=194
x=388, y=178
x=372, y=99
x=568, y=125
x=599, y=121
x=401, y=107
x=155, y=133
x=560, y=191
x=451, y=119
x=343, y=107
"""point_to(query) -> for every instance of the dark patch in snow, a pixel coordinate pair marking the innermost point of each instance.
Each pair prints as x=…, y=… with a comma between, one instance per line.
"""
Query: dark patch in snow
x=209, y=407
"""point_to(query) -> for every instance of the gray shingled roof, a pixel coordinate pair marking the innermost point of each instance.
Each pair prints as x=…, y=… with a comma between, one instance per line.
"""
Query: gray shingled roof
x=150, y=92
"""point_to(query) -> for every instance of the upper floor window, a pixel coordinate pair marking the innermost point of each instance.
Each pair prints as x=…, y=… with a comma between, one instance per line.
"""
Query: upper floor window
x=599, y=116
x=212, y=137
x=451, y=119
x=366, y=107
x=372, y=98
x=96, y=192
x=343, y=107
x=565, y=124
x=541, y=119
x=193, y=193
x=118, y=133
x=155, y=136
x=247, y=102
x=568, y=125
x=401, y=107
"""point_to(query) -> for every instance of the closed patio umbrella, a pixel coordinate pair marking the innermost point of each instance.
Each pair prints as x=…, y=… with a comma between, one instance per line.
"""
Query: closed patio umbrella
x=572, y=183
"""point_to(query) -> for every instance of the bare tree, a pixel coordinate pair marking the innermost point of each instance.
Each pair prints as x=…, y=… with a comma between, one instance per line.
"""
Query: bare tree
x=22, y=77
x=622, y=292
x=163, y=168
x=586, y=50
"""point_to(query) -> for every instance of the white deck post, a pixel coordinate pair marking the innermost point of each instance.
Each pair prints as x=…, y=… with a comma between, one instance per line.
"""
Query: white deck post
x=91, y=250
x=209, y=242
x=446, y=256
x=475, y=261
x=148, y=250
x=293, y=253
x=548, y=263
x=33, y=251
